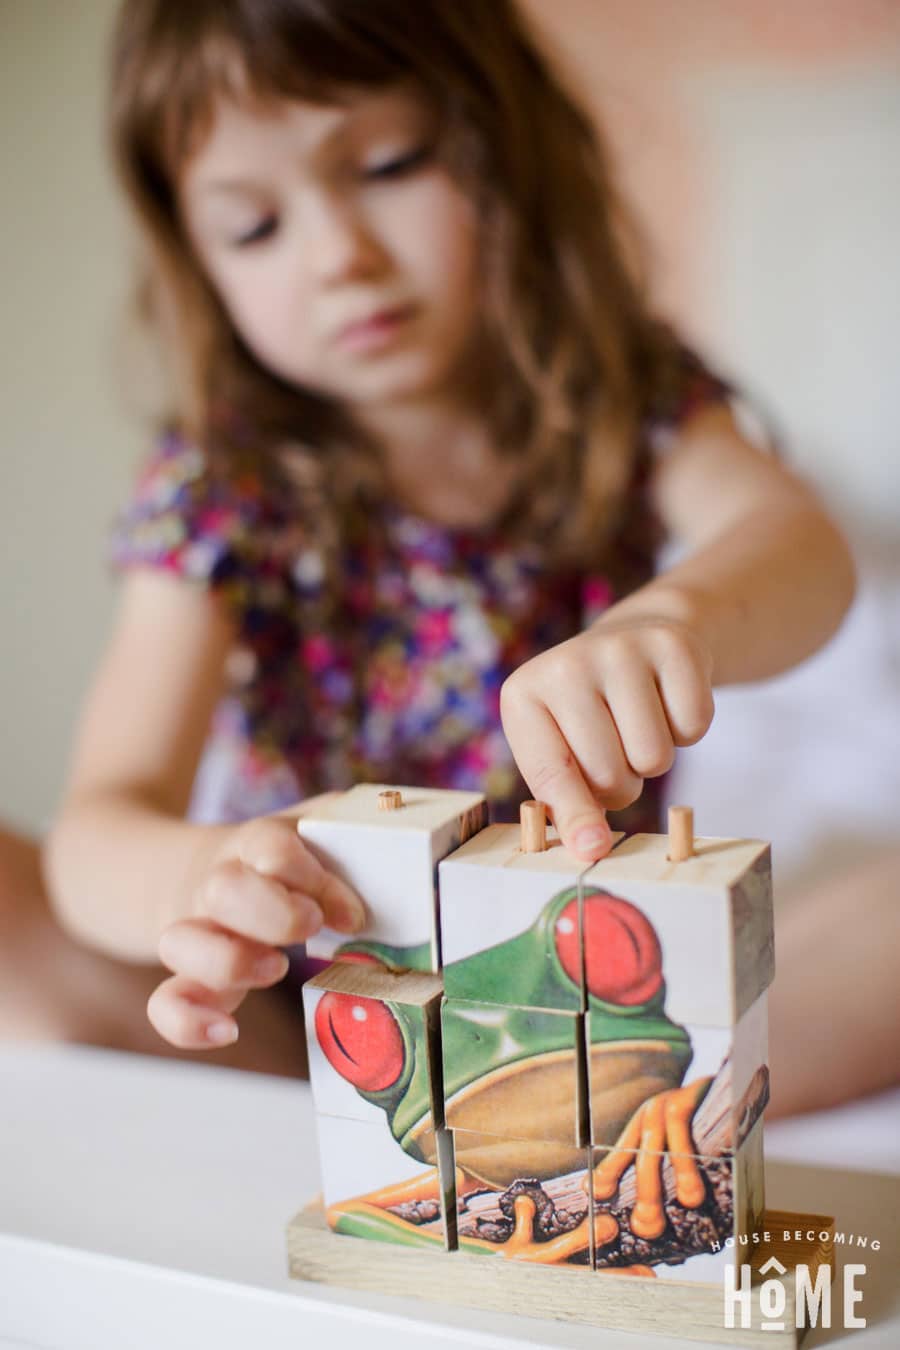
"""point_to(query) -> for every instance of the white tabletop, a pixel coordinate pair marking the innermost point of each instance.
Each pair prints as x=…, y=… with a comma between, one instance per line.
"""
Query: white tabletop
x=143, y=1203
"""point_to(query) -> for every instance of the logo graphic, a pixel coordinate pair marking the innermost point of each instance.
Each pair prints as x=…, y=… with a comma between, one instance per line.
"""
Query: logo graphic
x=811, y=1296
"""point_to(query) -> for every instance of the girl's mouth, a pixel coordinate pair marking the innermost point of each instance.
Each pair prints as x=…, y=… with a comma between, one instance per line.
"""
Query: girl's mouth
x=376, y=331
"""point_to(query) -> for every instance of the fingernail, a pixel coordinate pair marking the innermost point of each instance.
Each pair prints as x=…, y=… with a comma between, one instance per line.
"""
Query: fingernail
x=353, y=920
x=271, y=967
x=590, y=838
x=221, y=1033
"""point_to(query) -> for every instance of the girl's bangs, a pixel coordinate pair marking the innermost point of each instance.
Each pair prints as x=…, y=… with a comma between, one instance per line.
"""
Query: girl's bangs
x=257, y=52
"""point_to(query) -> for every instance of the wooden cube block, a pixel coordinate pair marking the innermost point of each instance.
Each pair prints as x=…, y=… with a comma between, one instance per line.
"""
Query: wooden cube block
x=682, y=1216
x=374, y=1189
x=624, y=1073
x=523, y=1199
x=728, y=1065
x=697, y=934
x=375, y=1072
x=390, y=857
x=510, y=922
x=513, y=1072
x=636, y=1049
x=374, y=1051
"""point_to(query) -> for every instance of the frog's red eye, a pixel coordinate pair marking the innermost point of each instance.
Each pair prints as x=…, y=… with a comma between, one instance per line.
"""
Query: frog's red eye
x=565, y=935
x=622, y=955
x=361, y=1039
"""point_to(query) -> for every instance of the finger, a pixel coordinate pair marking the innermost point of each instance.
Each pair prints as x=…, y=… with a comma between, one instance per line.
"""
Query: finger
x=687, y=697
x=551, y=771
x=219, y=959
x=237, y=897
x=274, y=849
x=586, y=721
x=637, y=710
x=192, y=1017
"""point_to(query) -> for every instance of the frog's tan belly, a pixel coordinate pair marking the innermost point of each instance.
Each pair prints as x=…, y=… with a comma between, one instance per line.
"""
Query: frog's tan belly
x=624, y=1074
x=521, y=1120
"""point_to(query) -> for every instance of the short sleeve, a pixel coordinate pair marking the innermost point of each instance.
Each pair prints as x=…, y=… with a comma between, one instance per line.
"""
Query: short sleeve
x=687, y=386
x=190, y=519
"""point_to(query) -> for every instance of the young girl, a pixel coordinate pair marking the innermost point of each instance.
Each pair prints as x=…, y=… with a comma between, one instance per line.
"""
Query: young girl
x=426, y=440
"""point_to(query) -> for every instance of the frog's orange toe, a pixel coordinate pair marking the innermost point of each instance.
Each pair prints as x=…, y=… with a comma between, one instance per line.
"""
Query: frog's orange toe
x=648, y=1220
x=690, y=1188
x=522, y=1235
x=660, y=1127
x=520, y=1246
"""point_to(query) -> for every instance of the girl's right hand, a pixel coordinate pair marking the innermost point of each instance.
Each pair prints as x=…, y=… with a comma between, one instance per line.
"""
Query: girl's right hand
x=264, y=890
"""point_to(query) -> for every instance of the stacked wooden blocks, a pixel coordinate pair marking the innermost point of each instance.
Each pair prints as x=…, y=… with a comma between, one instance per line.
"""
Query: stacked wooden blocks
x=373, y=1017
x=527, y=1057
x=677, y=960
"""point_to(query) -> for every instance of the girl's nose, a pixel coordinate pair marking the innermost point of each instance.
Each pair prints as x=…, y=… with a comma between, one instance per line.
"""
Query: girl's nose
x=338, y=243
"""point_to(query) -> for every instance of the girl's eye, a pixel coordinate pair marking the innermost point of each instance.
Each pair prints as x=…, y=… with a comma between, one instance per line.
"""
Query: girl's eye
x=263, y=230
x=396, y=168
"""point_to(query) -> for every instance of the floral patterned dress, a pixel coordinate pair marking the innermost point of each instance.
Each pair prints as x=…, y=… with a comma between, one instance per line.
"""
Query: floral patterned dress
x=400, y=682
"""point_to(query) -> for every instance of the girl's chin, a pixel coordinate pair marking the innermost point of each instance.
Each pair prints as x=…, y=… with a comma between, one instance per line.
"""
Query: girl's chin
x=393, y=378
x=400, y=384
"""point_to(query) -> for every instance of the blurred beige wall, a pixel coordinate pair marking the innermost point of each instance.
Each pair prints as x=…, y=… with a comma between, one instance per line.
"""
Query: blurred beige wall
x=65, y=440
x=761, y=141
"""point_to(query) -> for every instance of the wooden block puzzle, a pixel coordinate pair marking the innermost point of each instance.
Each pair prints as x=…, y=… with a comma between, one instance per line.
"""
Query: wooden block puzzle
x=613, y=1300
x=386, y=842
x=685, y=1062
x=582, y=1085
x=663, y=1212
x=512, y=1071
x=356, y=1158
x=711, y=926
x=374, y=1060
x=510, y=922
x=509, y=1190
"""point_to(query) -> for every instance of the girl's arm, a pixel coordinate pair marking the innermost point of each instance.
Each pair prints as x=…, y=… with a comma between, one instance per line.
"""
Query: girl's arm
x=120, y=859
x=123, y=865
x=766, y=581
x=768, y=576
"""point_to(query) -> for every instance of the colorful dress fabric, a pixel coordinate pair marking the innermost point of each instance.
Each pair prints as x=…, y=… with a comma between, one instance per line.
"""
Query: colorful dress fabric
x=400, y=680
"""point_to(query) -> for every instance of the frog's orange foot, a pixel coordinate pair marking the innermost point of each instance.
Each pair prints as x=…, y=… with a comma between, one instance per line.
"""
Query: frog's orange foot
x=404, y=1204
x=522, y=1247
x=660, y=1126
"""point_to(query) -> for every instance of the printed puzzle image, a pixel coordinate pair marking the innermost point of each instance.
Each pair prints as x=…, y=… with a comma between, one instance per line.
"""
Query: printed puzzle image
x=375, y=1073
x=593, y=1126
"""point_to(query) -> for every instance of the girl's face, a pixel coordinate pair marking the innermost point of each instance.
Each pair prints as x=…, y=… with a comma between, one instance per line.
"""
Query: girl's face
x=343, y=250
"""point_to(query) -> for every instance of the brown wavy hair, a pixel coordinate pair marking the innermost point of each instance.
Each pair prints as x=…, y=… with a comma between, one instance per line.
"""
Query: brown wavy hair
x=578, y=358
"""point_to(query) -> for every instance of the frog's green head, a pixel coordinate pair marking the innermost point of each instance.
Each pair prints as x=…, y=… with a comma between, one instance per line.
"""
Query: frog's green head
x=383, y=1048
x=516, y=1058
x=542, y=967
x=511, y=1034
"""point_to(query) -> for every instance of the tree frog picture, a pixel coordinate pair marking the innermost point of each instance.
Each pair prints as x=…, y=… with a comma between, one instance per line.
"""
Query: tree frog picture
x=548, y=1108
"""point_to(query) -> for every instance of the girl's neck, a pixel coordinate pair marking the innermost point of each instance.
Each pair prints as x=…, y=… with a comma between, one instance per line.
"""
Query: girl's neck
x=439, y=462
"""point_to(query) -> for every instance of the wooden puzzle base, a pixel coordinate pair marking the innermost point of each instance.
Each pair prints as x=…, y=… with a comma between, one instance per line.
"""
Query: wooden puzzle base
x=604, y=1299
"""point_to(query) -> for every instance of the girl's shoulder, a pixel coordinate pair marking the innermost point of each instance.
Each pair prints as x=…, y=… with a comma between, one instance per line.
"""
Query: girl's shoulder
x=180, y=474
x=685, y=384
x=220, y=519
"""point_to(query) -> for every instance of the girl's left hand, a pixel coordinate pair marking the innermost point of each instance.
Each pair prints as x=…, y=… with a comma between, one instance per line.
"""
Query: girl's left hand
x=589, y=720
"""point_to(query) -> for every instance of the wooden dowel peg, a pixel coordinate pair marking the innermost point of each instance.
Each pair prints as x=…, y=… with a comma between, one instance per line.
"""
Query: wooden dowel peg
x=390, y=800
x=533, y=820
x=681, y=833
